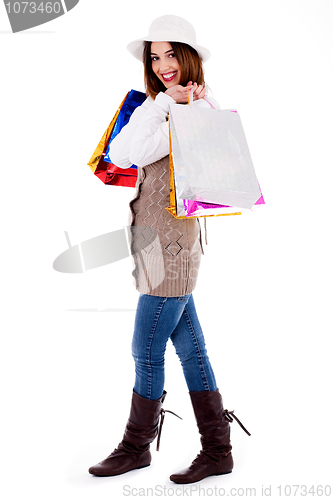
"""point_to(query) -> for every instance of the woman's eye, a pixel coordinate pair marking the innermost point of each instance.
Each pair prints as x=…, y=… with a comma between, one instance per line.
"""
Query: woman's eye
x=154, y=58
x=171, y=55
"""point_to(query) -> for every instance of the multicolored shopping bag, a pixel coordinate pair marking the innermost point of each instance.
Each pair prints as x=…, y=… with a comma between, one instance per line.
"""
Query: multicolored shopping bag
x=100, y=162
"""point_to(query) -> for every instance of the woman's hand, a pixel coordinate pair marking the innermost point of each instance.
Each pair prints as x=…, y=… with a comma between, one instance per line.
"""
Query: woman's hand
x=198, y=90
x=178, y=93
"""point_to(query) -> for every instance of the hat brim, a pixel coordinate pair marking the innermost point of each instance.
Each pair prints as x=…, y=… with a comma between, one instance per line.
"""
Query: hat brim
x=136, y=48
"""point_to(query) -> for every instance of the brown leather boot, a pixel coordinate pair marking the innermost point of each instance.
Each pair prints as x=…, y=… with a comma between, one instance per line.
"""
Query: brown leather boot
x=215, y=458
x=141, y=430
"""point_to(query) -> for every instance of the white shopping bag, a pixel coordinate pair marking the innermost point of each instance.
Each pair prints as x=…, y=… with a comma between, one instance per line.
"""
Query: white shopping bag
x=211, y=158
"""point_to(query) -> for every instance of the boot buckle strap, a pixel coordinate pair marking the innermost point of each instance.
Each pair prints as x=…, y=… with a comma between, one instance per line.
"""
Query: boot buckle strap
x=230, y=416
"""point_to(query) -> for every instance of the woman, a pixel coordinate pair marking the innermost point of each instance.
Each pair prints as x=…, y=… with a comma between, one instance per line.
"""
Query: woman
x=167, y=255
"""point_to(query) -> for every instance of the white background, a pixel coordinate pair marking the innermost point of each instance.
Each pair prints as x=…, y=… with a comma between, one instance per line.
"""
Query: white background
x=264, y=291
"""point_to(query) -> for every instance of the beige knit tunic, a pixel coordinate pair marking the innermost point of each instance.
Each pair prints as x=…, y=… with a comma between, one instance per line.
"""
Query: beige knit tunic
x=166, y=250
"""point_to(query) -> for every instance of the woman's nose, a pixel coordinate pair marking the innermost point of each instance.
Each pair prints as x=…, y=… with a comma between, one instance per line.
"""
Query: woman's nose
x=164, y=66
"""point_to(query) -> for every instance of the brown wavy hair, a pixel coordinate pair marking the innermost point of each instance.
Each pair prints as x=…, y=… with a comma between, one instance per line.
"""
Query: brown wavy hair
x=190, y=68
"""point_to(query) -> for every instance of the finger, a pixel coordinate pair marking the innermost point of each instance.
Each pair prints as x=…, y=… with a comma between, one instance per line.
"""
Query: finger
x=199, y=88
x=198, y=91
x=184, y=95
x=202, y=93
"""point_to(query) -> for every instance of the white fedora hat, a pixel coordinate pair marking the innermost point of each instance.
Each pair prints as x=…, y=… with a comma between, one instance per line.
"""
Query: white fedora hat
x=169, y=29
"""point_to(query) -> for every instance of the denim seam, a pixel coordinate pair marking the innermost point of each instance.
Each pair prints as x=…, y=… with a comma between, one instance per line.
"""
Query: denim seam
x=183, y=298
x=198, y=351
x=149, y=343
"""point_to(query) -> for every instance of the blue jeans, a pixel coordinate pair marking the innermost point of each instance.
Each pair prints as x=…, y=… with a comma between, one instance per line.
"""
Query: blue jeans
x=158, y=319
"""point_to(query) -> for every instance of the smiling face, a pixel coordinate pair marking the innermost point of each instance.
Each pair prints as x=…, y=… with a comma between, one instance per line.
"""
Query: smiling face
x=164, y=64
x=167, y=64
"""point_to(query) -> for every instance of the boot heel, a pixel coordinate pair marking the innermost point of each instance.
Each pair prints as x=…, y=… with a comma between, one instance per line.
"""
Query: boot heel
x=143, y=466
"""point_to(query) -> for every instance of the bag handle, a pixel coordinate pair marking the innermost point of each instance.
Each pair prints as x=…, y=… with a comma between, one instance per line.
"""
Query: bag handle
x=190, y=98
x=210, y=104
x=189, y=95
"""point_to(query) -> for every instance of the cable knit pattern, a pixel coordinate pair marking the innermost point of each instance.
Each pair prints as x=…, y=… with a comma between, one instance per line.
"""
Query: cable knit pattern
x=166, y=250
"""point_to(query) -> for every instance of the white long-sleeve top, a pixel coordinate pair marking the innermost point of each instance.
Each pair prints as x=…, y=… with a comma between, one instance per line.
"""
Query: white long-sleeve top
x=145, y=139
